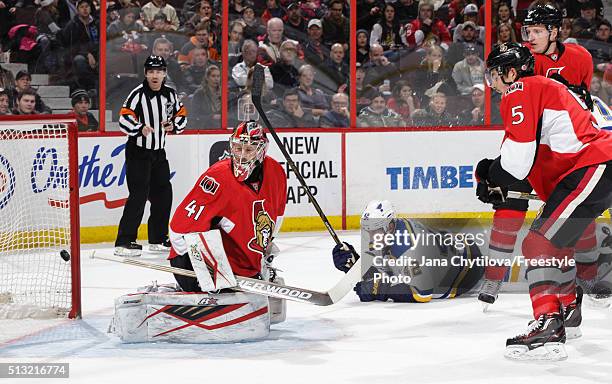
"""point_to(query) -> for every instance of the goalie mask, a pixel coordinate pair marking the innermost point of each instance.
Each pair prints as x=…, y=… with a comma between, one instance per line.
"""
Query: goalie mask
x=378, y=216
x=248, y=147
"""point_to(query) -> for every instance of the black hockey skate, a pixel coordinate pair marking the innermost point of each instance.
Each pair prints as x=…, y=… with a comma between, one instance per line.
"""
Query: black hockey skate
x=488, y=292
x=544, y=339
x=572, y=316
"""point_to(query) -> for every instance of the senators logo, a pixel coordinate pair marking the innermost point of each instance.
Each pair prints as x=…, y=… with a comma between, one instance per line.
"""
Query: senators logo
x=552, y=71
x=263, y=226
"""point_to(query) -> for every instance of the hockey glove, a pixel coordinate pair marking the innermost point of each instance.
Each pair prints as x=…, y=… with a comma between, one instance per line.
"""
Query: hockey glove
x=482, y=170
x=344, y=259
x=489, y=194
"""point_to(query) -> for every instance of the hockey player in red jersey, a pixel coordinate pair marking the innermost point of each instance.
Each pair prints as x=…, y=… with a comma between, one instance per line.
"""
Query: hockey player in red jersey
x=552, y=59
x=552, y=139
x=243, y=196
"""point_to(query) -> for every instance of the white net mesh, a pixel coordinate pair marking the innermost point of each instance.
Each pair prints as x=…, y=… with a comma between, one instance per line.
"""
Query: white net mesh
x=34, y=220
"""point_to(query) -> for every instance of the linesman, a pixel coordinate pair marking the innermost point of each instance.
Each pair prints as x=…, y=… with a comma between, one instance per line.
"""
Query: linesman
x=151, y=111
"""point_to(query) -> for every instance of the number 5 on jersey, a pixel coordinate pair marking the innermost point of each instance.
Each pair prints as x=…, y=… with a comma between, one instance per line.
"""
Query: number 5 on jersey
x=193, y=208
x=517, y=113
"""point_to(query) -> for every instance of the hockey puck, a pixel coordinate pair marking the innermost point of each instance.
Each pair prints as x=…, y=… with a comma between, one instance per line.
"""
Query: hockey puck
x=65, y=255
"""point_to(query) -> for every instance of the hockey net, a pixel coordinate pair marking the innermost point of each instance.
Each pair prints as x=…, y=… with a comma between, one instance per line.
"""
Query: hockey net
x=39, y=226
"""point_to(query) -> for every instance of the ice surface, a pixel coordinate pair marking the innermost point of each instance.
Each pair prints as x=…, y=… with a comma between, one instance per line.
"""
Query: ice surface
x=445, y=341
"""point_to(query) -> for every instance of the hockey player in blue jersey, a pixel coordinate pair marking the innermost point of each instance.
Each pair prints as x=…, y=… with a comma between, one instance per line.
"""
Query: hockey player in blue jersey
x=418, y=266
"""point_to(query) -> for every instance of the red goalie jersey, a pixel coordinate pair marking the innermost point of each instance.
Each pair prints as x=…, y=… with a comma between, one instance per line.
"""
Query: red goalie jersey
x=247, y=219
x=549, y=133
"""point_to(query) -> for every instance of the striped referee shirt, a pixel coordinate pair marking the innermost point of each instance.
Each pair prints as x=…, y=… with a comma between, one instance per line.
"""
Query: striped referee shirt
x=143, y=107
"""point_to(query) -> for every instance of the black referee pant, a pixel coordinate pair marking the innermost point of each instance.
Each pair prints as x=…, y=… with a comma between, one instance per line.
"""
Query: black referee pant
x=148, y=178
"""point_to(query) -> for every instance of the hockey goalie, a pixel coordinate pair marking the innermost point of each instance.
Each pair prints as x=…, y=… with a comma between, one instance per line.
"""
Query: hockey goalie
x=224, y=227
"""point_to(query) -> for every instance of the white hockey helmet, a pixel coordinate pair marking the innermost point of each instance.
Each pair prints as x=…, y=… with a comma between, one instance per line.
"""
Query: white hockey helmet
x=378, y=214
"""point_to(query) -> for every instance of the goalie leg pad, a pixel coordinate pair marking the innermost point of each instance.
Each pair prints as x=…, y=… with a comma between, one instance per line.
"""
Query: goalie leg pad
x=191, y=317
x=209, y=260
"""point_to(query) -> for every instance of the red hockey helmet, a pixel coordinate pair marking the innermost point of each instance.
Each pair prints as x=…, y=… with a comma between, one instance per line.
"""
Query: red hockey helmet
x=248, y=147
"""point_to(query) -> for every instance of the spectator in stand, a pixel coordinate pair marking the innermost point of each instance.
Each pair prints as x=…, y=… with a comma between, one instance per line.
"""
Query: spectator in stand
x=406, y=10
x=432, y=70
x=291, y=114
x=206, y=101
x=469, y=71
x=336, y=27
x=199, y=64
x=377, y=115
x=311, y=98
x=273, y=10
x=572, y=8
x=565, y=32
x=124, y=32
x=505, y=34
x=252, y=25
x=81, y=36
x=152, y=8
x=475, y=114
x=174, y=75
x=339, y=115
x=26, y=103
x=470, y=17
x=368, y=13
x=240, y=72
x=436, y=112
x=418, y=30
x=312, y=9
x=269, y=46
x=81, y=102
x=295, y=23
x=162, y=28
x=23, y=82
x=336, y=70
x=380, y=72
x=403, y=101
x=505, y=15
x=284, y=72
x=236, y=7
x=204, y=18
x=387, y=31
x=363, y=46
x=234, y=45
x=7, y=80
x=315, y=52
x=201, y=39
x=600, y=46
x=584, y=27
x=7, y=20
x=46, y=19
x=468, y=38
x=597, y=89
x=364, y=91
x=5, y=108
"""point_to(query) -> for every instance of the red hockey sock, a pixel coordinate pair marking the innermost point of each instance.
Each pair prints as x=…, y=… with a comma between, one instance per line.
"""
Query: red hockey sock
x=506, y=225
x=587, y=254
x=550, y=286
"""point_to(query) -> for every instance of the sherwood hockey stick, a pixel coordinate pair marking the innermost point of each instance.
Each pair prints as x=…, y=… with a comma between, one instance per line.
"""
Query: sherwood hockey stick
x=259, y=78
x=245, y=284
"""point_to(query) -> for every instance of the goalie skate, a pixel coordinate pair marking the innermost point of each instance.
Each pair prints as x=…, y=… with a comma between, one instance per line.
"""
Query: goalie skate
x=488, y=292
x=544, y=339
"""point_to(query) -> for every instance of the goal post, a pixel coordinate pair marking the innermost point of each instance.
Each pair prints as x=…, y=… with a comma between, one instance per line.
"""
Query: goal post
x=39, y=217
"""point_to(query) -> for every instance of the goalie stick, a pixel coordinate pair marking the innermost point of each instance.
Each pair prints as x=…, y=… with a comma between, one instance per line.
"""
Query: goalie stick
x=246, y=284
x=259, y=78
